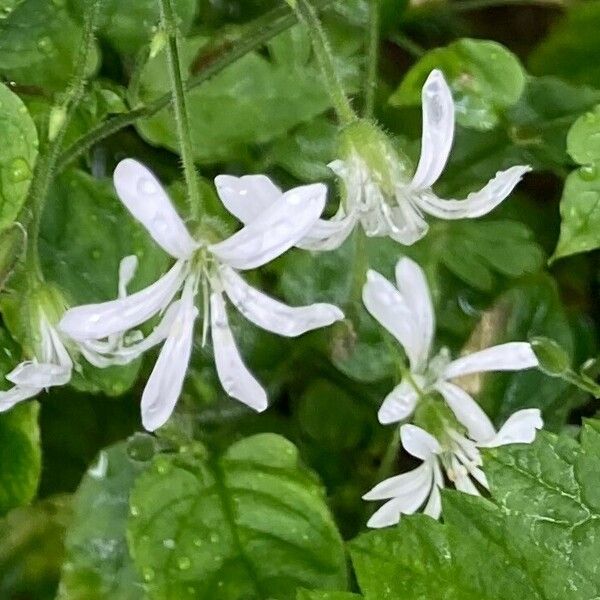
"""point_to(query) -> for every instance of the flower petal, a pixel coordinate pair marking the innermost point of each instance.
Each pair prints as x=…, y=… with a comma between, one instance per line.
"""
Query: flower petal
x=390, y=308
x=476, y=204
x=433, y=508
x=247, y=197
x=147, y=201
x=276, y=230
x=127, y=268
x=438, y=130
x=513, y=356
x=467, y=411
x=329, y=235
x=412, y=284
x=97, y=321
x=520, y=428
x=272, y=315
x=418, y=442
x=235, y=378
x=398, y=404
x=39, y=375
x=17, y=394
x=406, y=483
x=404, y=223
x=389, y=514
x=166, y=381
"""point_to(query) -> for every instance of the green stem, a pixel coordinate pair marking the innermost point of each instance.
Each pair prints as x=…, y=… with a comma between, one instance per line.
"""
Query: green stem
x=46, y=165
x=372, y=58
x=182, y=119
x=307, y=14
x=218, y=57
x=406, y=43
x=467, y=5
x=583, y=383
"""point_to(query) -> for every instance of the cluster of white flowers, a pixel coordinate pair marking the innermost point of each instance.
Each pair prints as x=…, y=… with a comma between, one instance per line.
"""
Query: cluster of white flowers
x=384, y=202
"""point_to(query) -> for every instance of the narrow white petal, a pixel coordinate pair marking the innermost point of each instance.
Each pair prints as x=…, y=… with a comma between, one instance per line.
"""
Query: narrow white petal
x=389, y=514
x=59, y=354
x=513, y=356
x=438, y=130
x=412, y=284
x=476, y=204
x=467, y=411
x=39, y=375
x=276, y=230
x=97, y=321
x=142, y=194
x=520, y=428
x=247, y=197
x=17, y=394
x=272, y=315
x=464, y=484
x=418, y=442
x=235, y=378
x=433, y=508
x=402, y=484
x=404, y=223
x=166, y=381
x=127, y=268
x=398, y=404
x=389, y=307
x=329, y=235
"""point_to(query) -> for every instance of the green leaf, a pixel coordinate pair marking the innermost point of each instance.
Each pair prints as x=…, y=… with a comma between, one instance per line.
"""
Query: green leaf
x=85, y=233
x=580, y=212
x=308, y=595
x=583, y=141
x=31, y=552
x=40, y=43
x=253, y=101
x=98, y=565
x=128, y=26
x=485, y=78
x=20, y=453
x=537, y=539
x=252, y=523
x=17, y=153
x=572, y=50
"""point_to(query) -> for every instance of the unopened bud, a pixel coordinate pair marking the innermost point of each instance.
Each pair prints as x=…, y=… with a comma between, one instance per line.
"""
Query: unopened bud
x=553, y=359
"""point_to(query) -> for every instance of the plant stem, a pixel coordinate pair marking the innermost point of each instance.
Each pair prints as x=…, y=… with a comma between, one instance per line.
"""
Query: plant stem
x=46, y=165
x=372, y=58
x=467, y=5
x=308, y=16
x=408, y=44
x=182, y=119
x=218, y=57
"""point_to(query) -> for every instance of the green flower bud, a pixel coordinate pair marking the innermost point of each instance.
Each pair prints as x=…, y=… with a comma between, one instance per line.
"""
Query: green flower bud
x=553, y=359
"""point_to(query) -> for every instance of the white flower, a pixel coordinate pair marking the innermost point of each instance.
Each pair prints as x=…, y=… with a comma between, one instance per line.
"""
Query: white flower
x=52, y=366
x=456, y=454
x=104, y=330
x=407, y=313
x=385, y=200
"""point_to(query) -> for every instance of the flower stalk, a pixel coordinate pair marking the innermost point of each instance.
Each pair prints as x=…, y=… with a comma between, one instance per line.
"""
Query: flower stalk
x=372, y=57
x=182, y=119
x=308, y=16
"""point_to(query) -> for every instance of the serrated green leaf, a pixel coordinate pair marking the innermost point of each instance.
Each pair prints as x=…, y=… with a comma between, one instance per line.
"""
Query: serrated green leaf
x=85, y=233
x=537, y=539
x=17, y=154
x=128, y=26
x=251, y=102
x=98, y=565
x=572, y=50
x=485, y=78
x=31, y=550
x=39, y=45
x=580, y=212
x=250, y=524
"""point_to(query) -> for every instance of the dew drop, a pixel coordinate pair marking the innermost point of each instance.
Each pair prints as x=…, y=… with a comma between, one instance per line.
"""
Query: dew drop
x=134, y=511
x=162, y=467
x=146, y=186
x=198, y=542
x=45, y=45
x=98, y=471
x=169, y=543
x=588, y=172
x=214, y=538
x=184, y=563
x=19, y=170
x=140, y=447
x=148, y=573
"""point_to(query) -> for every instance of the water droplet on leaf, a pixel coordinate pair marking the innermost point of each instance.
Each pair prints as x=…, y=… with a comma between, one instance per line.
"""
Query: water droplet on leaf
x=184, y=563
x=19, y=170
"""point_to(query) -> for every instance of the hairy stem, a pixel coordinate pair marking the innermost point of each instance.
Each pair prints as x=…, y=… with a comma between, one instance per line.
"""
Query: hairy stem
x=307, y=14
x=46, y=165
x=372, y=58
x=182, y=119
x=212, y=61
